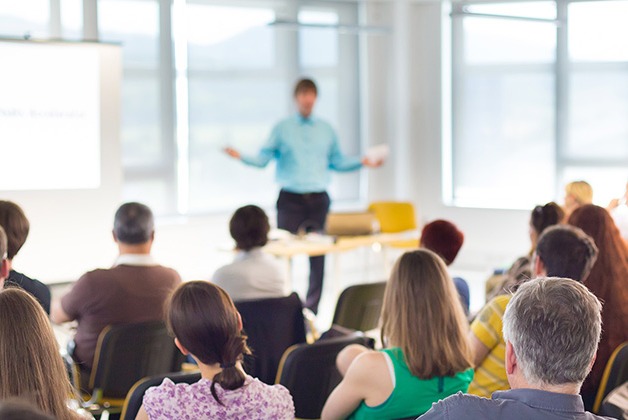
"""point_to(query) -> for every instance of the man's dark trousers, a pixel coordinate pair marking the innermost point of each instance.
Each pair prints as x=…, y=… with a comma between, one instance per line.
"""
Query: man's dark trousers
x=298, y=213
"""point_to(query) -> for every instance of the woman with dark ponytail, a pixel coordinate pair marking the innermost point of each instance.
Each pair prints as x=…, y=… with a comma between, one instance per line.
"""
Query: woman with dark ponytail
x=541, y=218
x=207, y=326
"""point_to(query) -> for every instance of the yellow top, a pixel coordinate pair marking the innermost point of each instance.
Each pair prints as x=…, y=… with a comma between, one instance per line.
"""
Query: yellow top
x=490, y=375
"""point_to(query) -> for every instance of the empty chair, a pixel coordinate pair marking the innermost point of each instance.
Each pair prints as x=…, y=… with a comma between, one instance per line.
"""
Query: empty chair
x=359, y=306
x=127, y=353
x=271, y=325
x=134, y=398
x=394, y=216
x=397, y=217
x=310, y=374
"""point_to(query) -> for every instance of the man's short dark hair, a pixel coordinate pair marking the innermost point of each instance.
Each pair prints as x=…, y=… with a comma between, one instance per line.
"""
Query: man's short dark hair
x=566, y=251
x=15, y=224
x=249, y=227
x=305, y=85
x=133, y=224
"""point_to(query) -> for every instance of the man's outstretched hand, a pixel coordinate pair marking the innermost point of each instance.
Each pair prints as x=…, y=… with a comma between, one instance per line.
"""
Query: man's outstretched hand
x=232, y=152
x=372, y=164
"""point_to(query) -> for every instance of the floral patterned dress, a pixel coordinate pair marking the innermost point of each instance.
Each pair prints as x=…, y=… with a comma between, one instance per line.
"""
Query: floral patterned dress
x=254, y=400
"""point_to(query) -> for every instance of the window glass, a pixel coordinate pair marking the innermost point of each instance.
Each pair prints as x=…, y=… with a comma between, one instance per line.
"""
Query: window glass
x=503, y=112
x=497, y=41
x=237, y=113
x=118, y=22
x=506, y=102
x=318, y=47
x=503, y=149
x=532, y=9
x=148, y=173
x=598, y=31
x=25, y=18
x=140, y=130
x=598, y=110
x=72, y=19
x=223, y=38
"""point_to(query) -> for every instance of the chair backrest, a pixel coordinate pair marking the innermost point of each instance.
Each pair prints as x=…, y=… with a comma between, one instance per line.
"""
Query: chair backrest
x=310, y=374
x=127, y=353
x=615, y=374
x=394, y=216
x=359, y=306
x=271, y=325
x=134, y=397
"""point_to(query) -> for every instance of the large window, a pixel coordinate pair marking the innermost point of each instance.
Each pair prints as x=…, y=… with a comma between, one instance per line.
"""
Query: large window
x=203, y=75
x=539, y=98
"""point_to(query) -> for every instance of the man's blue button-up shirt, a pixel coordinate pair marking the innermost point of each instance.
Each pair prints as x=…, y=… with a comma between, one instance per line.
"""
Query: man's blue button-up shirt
x=306, y=149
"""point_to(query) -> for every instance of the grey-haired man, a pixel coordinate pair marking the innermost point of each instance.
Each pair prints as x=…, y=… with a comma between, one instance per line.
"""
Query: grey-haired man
x=552, y=329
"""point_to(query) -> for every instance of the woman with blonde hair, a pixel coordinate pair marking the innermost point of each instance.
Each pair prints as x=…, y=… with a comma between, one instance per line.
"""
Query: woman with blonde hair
x=31, y=367
x=426, y=358
x=577, y=194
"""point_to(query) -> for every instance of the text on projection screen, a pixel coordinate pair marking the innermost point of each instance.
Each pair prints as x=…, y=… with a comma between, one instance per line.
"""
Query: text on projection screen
x=49, y=117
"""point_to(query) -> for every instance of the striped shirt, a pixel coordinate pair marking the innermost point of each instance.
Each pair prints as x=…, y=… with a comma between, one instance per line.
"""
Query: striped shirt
x=490, y=375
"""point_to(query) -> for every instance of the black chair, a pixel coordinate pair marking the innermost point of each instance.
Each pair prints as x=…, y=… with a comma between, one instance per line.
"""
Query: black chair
x=359, y=306
x=615, y=374
x=310, y=374
x=272, y=325
x=127, y=353
x=134, y=398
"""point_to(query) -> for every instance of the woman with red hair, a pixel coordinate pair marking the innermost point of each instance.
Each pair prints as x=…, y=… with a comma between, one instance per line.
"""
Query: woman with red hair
x=609, y=282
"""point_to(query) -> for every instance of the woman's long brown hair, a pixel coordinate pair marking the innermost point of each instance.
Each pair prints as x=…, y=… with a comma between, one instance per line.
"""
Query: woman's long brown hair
x=423, y=315
x=31, y=367
x=205, y=321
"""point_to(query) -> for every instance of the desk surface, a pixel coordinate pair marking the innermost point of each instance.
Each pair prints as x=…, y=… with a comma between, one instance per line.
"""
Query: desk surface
x=321, y=245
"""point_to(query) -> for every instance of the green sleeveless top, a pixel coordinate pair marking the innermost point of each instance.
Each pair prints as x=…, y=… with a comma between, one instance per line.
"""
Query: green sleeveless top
x=412, y=396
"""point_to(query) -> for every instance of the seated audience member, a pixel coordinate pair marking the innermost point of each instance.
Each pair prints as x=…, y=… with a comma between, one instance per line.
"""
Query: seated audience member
x=133, y=290
x=561, y=251
x=445, y=239
x=540, y=219
x=552, y=329
x=16, y=226
x=207, y=327
x=427, y=356
x=564, y=251
x=577, y=194
x=254, y=274
x=31, y=367
x=609, y=282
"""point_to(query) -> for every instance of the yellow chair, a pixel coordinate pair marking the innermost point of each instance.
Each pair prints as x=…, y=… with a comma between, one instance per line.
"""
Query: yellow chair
x=397, y=217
